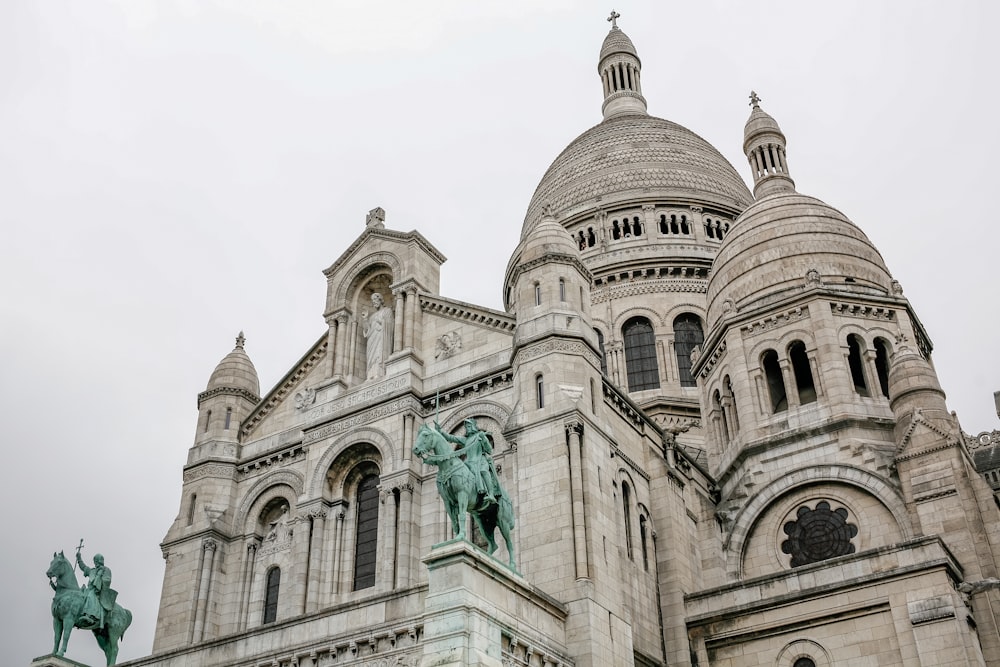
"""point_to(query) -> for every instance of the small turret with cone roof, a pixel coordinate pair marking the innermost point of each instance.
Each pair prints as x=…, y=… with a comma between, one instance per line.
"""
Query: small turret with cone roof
x=619, y=68
x=764, y=146
x=232, y=391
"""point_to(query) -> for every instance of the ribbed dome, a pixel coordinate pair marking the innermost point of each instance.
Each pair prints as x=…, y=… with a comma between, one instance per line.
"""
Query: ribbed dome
x=235, y=371
x=775, y=244
x=910, y=374
x=617, y=42
x=633, y=158
x=759, y=122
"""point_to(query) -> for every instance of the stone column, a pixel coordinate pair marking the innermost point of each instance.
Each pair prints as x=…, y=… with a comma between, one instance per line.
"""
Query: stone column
x=412, y=306
x=387, y=577
x=339, y=363
x=574, y=429
x=338, y=550
x=318, y=517
x=331, y=347
x=353, y=349
x=405, y=534
x=300, y=554
x=791, y=387
x=407, y=439
x=397, y=332
x=246, y=582
x=208, y=549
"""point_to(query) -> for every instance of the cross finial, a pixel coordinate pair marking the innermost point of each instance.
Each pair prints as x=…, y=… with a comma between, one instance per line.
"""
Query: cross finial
x=614, y=19
x=754, y=99
x=240, y=340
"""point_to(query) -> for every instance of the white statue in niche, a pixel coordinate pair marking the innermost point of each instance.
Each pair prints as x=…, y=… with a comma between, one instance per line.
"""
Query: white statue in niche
x=377, y=330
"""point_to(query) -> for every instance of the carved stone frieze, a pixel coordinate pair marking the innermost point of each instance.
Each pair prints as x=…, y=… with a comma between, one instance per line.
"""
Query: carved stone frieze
x=268, y=461
x=622, y=290
x=369, y=394
x=448, y=345
x=862, y=310
x=773, y=321
x=365, y=417
x=218, y=470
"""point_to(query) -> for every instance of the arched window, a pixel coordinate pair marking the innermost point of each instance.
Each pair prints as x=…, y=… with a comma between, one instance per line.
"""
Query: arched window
x=684, y=225
x=856, y=364
x=724, y=423
x=367, y=533
x=208, y=420
x=687, y=336
x=616, y=230
x=882, y=365
x=191, y=506
x=642, y=542
x=775, y=383
x=604, y=355
x=229, y=417
x=709, y=229
x=626, y=503
x=636, y=227
x=562, y=290
x=591, y=237
x=640, y=355
x=731, y=395
x=538, y=294
x=803, y=373
x=271, y=595
x=664, y=228
x=539, y=391
x=804, y=662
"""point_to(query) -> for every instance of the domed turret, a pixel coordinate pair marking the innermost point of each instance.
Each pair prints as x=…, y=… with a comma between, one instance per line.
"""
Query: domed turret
x=235, y=371
x=764, y=146
x=232, y=392
x=913, y=383
x=619, y=67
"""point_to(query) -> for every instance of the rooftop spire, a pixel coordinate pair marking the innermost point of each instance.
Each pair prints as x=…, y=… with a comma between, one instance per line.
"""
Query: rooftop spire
x=764, y=146
x=619, y=68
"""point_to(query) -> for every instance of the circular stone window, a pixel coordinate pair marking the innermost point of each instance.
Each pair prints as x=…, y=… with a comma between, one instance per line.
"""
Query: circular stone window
x=817, y=534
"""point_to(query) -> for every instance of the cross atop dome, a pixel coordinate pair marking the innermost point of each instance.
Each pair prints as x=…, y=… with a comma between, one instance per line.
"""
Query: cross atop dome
x=614, y=19
x=754, y=99
x=240, y=340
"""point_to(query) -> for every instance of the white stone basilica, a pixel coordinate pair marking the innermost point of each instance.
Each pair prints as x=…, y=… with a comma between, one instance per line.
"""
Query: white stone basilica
x=714, y=411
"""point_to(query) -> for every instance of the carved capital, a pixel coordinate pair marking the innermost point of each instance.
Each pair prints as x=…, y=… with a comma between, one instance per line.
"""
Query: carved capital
x=573, y=426
x=317, y=513
x=209, y=545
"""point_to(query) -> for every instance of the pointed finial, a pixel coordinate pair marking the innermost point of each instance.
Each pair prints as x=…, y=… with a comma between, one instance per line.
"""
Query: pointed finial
x=614, y=19
x=240, y=340
x=754, y=99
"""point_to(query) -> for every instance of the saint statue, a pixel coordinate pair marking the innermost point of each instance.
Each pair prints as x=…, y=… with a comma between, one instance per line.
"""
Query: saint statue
x=99, y=597
x=478, y=454
x=377, y=330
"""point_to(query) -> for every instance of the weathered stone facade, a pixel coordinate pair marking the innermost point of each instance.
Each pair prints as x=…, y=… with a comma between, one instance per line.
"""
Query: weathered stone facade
x=714, y=412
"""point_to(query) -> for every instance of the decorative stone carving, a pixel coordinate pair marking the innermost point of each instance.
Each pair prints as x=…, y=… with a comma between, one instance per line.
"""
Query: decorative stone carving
x=305, y=398
x=818, y=534
x=448, y=345
x=375, y=218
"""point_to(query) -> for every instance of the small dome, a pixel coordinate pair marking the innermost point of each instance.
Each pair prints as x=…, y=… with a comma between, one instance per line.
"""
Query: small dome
x=617, y=42
x=235, y=371
x=760, y=122
x=547, y=237
x=635, y=158
x=788, y=242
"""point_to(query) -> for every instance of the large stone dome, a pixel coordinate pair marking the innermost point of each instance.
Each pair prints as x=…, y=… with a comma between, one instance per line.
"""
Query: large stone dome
x=788, y=242
x=235, y=371
x=636, y=158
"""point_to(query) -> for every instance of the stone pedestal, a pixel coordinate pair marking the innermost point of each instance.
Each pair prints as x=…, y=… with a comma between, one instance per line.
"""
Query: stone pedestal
x=55, y=661
x=478, y=611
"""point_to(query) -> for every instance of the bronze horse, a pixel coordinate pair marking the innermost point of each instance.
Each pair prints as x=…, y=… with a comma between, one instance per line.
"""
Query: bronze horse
x=457, y=485
x=67, y=606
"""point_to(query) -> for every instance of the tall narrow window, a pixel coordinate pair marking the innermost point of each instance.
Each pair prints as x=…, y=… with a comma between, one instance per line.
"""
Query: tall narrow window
x=626, y=504
x=539, y=391
x=538, y=294
x=687, y=336
x=775, y=383
x=642, y=542
x=731, y=395
x=640, y=355
x=191, y=506
x=367, y=533
x=604, y=355
x=856, y=364
x=229, y=417
x=208, y=420
x=562, y=290
x=724, y=423
x=803, y=372
x=882, y=365
x=271, y=595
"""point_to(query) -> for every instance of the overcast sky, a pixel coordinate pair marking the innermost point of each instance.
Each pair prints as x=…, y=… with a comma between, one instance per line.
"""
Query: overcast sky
x=172, y=173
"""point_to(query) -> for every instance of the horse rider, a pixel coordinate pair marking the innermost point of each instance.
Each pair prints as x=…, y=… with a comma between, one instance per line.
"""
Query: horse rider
x=478, y=456
x=99, y=597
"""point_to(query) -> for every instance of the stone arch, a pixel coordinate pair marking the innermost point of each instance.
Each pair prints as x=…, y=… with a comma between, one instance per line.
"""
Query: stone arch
x=265, y=490
x=655, y=319
x=858, y=478
x=352, y=279
x=377, y=438
x=803, y=648
x=678, y=309
x=495, y=411
x=780, y=345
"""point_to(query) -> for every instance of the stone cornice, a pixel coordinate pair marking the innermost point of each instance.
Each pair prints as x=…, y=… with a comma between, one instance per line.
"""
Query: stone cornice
x=658, y=286
x=227, y=391
x=284, y=386
x=278, y=457
x=414, y=237
x=464, y=312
